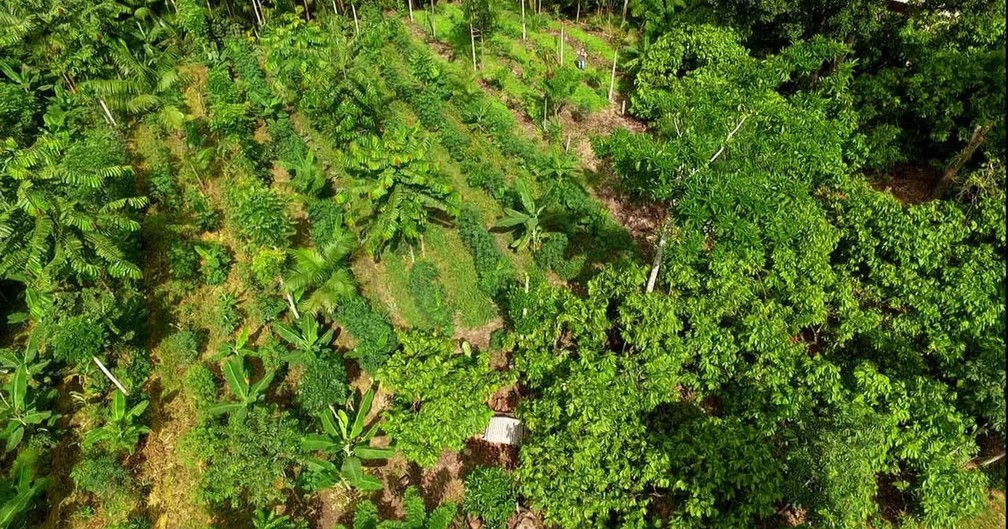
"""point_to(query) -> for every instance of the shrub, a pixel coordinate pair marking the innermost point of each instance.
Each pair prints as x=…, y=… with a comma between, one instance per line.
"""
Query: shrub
x=246, y=460
x=267, y=265
x=101, y=475
x=266, y=307
x=326, y=219
x=181, y=348
x=490, y=494
x=207, y=218
x=486, y=177
x=440, y=396
x=430, y=296
x=164, y=188
x=285, y=144
x=374, y=333
x=456, y=142
x=215, y=262
x=551, y=256
x=226, y=314
x=75, y=340
x=492, y=268
x=201, y=386
x=323, y=382
x=182, y=260
x=259, y=215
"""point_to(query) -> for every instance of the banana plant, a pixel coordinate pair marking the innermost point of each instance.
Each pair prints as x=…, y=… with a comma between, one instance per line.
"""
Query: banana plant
x=528, y=223
x=348, y=440
x=307, y=341
x=267, y=519
x=19, y=409
x=19, y=489
x=121, y=432
x=238, y=349
x=246, y=393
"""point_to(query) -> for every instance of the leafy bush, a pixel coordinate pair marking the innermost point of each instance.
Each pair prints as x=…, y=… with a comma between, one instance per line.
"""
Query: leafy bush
x=103, y=476
x=215, y=262
x=456, y=141
x=267, y=265
x=492, y=268
x=201, y=386
x=259, y=215
x=285, y=143
x=183, y=260
x=374, y=333
x=440, y=395
x=326, y=218
x=181, y=348
x=486, y=177
x=226, y=315
x=490, y=494
x=266, y=307
x=551, y=256
x=323, y=383
x=366, y=515
x=430, y=296
x=77, y=339
x=207, y=218
x=246, y=460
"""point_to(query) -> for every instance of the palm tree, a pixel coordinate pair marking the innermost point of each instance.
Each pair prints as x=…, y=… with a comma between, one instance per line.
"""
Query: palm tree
x=321, y=273
x=400, y=187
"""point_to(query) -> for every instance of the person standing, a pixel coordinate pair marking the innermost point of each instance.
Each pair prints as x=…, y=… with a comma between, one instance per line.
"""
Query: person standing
x=582, y=58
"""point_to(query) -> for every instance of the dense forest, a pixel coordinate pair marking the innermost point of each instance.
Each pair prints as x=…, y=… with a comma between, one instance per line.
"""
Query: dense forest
x=278, y=264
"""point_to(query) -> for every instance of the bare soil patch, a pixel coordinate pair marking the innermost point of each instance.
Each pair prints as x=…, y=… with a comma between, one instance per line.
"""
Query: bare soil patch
x=909, y=183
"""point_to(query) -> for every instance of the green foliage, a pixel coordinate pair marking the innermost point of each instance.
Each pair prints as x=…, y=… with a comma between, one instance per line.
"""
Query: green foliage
x=22, y=406
x=226, y=316
x=493, y=269
x=490, y=494
x=121, y=430
x=429, y=295
x=260, y=216
x=366, y=515
x=309, y=344
x=323, y=383
x=267, y=266
x=201, y=386
x=76, y=340
x=246, y=393
x=66, y=208
x=19, y=488
x=440, y=395
x=372, y=330
x=183, y=261
x=215, y=262
x=399, y=186
x=348, y=441
x=245, y=461
x=323, y=274
x=528, y=223
x=553, y=256
x=102, y=475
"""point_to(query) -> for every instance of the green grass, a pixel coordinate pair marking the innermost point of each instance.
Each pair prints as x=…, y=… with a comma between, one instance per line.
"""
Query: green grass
x=446, y=251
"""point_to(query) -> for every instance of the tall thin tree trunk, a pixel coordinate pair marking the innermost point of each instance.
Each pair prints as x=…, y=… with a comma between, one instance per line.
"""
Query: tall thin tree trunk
x=255, y=9
x=659, y=251
x=410, y=4
x=577, y=17
x=523, y=19
x=625, y=2
x=433, y=26
x=472, y=40
x=355, y=23
x=612, y=76
x=561, y=42
x=307, y=12
x=979, y=135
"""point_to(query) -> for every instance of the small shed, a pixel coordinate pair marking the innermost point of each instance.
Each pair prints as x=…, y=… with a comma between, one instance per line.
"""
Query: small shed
x=505, y=430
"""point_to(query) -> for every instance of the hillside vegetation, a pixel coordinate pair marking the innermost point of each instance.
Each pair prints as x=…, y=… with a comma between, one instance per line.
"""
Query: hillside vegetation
x=276, y=264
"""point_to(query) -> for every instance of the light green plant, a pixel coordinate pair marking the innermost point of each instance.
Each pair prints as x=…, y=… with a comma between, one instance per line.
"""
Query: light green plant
x=121, y=431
